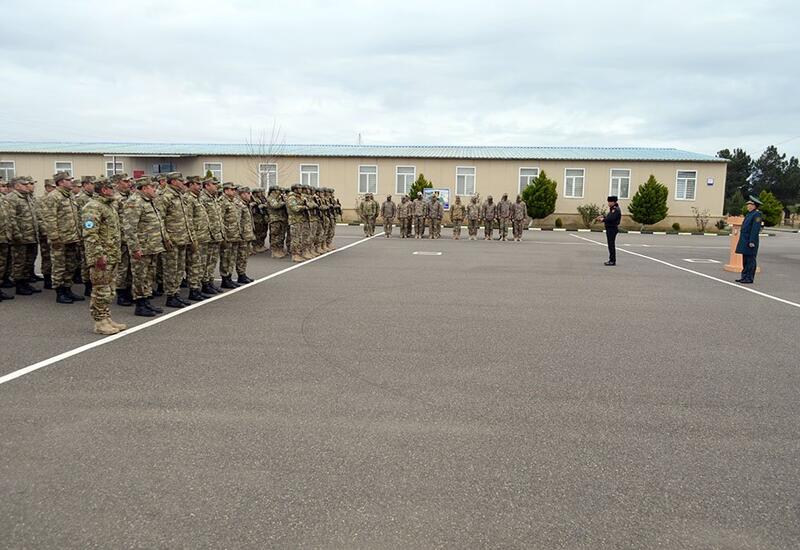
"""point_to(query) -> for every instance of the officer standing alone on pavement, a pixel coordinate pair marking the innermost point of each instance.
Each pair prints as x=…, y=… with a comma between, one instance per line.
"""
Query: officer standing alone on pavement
x=611, y=221
x=748, y=241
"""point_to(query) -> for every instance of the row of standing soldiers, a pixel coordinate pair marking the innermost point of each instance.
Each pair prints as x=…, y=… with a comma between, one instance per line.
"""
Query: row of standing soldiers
x=120, y=240
x=420, y=212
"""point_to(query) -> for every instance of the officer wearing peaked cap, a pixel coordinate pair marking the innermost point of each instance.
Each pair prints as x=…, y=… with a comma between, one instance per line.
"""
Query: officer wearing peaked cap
x=747, y=245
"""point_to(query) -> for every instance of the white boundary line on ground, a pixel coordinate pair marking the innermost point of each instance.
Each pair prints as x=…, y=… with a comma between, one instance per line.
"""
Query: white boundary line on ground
x=723, y=281
x=132, y=330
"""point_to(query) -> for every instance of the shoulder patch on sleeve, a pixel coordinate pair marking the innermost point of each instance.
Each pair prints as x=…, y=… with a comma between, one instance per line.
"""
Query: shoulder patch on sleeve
x=758, y=218
x=88, y=224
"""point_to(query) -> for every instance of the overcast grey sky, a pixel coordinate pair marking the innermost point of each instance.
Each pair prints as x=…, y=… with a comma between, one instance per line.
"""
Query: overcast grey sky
x=694, y=75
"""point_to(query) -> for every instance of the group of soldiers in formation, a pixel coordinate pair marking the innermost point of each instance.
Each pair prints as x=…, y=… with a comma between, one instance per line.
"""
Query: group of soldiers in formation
x=419, y=212
x=151, y=236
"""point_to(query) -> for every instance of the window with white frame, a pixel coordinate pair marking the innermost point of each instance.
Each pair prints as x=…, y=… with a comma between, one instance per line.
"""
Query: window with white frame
x=113, y=168
x=267, y=175
x=367, y=179
x=7, y=170
x=686, y=185
x=526, y=177
x=215, y=168
x=465, y=180
x=64, y=166
x=620, y=183
x=573, y=183
x=405, y=177
x=309, y=174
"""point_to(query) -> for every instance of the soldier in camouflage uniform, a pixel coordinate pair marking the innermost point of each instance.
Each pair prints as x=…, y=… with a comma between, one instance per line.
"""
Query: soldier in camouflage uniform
x=25, y=231
x=404, y=217
x=334, y=209
x=519, y=215
x=322, y=219
x=61, y=222
x=420, y=211
x=84, y=193
x=5, y=191
x=457, y=214
x=196, y=258
x=388, y=213
x=161, y=185
x=6, y=235
x=258, y=210
x=210, y=201
x=101, y=237
x=124, y=283
x=44, y=245
x=297, y=215
x=473, y=218
x=368, y=210
x=504, y=215
x=436, y=213
x=143, y=230
x=178, y=225
x=278, y=218
x=310, y=226
x=248, y=235
x=488, y=214
x=231, y=232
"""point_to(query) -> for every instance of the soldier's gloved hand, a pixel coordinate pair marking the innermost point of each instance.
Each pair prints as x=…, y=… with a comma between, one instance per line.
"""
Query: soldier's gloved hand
x=101, y=263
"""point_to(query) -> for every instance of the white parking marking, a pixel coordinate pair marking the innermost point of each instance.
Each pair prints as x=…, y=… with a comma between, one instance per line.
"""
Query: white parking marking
x=700, y=261
x=426, y=253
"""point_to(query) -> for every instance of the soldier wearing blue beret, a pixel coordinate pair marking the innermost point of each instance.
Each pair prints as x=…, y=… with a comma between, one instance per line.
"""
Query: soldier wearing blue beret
x=748, y=240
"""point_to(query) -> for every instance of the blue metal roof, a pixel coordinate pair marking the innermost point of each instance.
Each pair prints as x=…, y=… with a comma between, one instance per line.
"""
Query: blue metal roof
x=360, y=151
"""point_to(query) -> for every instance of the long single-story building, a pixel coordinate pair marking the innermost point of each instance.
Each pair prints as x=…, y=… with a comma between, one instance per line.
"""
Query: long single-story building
x=584, y=174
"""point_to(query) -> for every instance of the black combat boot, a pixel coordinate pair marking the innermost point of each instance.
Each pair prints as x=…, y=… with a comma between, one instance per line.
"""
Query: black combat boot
x=24, y=289
x=181, y=300
x=174, y=301
x=35, y=278
x=195, y=296
x=151, y=306
x=124, y=297
x=7, y=284
x=244, y=279
x=33, y=288
x=75, y=297
x=87, y=289
x=77, y=277
x=142, y=310
x=184, y=284
x=62, y=297
x=208, y=289
x=159, y=291
x=227, y=282
x=4, y=296
x=215, y=287
x=48, y=282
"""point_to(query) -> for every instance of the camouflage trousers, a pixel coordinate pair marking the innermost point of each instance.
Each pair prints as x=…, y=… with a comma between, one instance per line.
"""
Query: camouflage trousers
x=326, y=228
x=402, y=223
x=227, y=258
x=419, y=226
x=103, y=283
x=388, y=225
x=5, y=253
x=319, y=238
x=277, y=235
x=296, y=234
x=242, y=253
x=83, y=267
x=64, y=258
x=488, y=228
x=23, y=258
x=260, y=231
x=305, y=236
x=456, y=228
x=331, y=231
x=211, y=260
x=503, y=228
x=369, y=227
x=47, y=262
x=436, y=228
x=516, y=227
x=144, y=275
x=472, y=227
x=124, y=277
x=196, y=264
x=174, y=268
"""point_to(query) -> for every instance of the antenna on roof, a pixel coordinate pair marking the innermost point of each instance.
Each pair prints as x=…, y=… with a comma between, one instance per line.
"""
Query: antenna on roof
x=359, y=138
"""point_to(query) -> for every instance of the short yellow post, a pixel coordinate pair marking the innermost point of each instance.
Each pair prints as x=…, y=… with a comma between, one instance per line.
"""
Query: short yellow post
x=735, y=262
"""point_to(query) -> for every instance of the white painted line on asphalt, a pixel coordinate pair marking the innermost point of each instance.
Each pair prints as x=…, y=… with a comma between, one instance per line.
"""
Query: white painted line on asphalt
x=700, y=261
x=723, y=281
x=132, y=330
x=426, y=253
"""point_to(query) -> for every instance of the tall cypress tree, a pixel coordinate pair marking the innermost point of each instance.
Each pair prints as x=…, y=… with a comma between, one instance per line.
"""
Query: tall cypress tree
x=540, y=195
x=418, y=186
x=649, y=205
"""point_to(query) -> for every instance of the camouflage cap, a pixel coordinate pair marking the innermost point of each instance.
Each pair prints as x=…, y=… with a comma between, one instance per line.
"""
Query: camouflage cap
x=141, y=182
x=88, y=179
x=100, y=183
x=174, y=176
x=229, y=185
x=273, y=188
x=18, y=180
x=49, y=183
x=258, y=190
x=58, y=176
x=243, y=189
x=193, y=179
x=116, y=178
x=208, y=181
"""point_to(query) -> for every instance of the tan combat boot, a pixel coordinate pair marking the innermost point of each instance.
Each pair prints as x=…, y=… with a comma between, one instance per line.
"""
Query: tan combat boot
x=118, y=326
x=104, y=327
x=297, y=258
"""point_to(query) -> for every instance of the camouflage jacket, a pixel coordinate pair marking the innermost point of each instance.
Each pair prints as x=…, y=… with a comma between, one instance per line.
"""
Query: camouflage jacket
x=120, y=199
x=473, y=211
x=388, y=210
x=420, y=208
x=368, y=209
x=6, y=234
x=39, y=202
x=177, y=217
x=258, y=212
x=246, y=221
x=504, y=210
x=142, y=225
x=214, y=213
x=101, y=230
x=24, y=219
x=324, y=208
x=199, y=217
x=277, y=208
x=488, y=211
x=519, y=211
x=296, y=208
x=82, y=199
x=313, y=207
x=231, y=220
x=435, y=210
x=61, y=219
x=404, y=210
x=457, y=211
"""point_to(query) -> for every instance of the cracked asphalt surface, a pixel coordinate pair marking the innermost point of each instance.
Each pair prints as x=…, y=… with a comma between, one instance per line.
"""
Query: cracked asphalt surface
x=499, y=395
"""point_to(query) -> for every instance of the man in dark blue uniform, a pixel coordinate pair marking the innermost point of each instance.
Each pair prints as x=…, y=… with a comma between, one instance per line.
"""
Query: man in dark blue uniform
x=748, y=240
x=611, y=221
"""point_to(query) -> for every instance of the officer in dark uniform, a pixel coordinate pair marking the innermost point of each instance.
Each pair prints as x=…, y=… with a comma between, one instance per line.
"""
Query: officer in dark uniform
x=748, y=240
x=611, y=221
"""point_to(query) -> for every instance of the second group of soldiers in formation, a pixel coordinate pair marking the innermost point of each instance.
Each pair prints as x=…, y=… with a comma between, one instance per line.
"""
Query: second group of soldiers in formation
x=419, y=212
x=148, y=237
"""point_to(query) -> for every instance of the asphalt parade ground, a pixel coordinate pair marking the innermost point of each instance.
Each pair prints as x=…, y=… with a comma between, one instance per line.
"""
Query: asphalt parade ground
x=416, y=393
